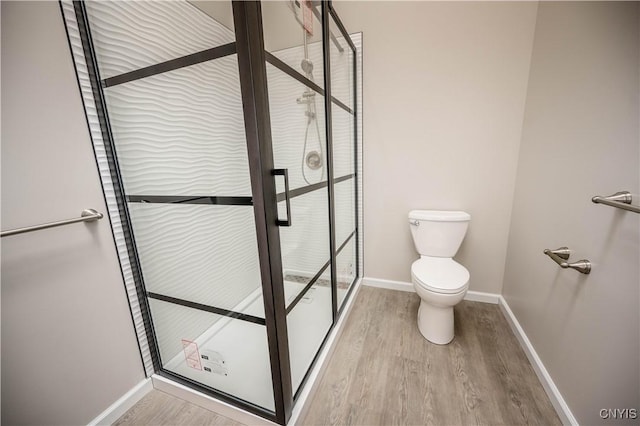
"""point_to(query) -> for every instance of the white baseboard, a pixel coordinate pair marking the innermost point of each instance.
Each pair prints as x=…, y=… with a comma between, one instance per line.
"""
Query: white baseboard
x=309, y=390
x=123, y=404
x=388, y=284
x=558, y=402
x=480, y=296
x=473, y=296
x=205, y=401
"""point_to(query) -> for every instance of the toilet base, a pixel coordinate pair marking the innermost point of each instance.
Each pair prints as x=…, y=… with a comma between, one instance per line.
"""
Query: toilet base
x=435, y=323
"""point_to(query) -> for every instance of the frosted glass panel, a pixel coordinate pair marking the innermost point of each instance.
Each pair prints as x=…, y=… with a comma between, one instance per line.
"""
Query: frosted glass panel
x=341, y=67
x=346, y=269
x=305, y=245
x=202, y=253
x=307, y=325
x=226, y=354
x=297, y=129
x=345, y=210
x=343, y=142
x=182, y=132
x=128, y=35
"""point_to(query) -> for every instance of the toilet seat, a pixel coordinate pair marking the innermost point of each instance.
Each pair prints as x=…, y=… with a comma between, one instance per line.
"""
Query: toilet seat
x=440, y=275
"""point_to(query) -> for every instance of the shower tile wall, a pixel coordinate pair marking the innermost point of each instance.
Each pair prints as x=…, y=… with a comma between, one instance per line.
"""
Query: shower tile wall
x=195, y=115
x=138, y=34
x=183, y=256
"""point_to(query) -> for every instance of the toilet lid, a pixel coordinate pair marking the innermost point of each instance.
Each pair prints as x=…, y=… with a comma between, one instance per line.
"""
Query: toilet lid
x=440, y=274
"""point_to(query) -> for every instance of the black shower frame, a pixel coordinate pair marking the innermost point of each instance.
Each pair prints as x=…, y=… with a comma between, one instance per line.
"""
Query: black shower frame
x=252, y=60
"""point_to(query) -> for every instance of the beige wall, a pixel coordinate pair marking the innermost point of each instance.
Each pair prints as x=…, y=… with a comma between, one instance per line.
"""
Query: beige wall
x=580, y=139
x=444, y=93
x=68, y=345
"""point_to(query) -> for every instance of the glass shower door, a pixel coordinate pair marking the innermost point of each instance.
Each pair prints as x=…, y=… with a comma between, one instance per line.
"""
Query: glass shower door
x=295, y=80
x=169, y=76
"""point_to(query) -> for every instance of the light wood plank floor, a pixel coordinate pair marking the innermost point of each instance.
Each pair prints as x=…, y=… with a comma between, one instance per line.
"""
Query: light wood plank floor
x=384, y=372
x=157, y=408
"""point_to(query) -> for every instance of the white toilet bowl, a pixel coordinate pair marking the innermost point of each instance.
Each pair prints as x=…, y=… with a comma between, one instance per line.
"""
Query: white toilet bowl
x=441, y=283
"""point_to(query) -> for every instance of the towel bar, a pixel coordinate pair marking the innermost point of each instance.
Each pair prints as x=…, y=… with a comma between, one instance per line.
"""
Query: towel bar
x=88, y=215
x=621, y=200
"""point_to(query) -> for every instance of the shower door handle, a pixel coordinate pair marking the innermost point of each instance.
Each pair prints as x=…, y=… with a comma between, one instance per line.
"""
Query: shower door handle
x=285, y=173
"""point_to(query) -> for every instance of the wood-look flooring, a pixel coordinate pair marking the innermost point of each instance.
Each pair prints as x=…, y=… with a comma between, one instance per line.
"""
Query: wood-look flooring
x=383, y=372
x=160, y=409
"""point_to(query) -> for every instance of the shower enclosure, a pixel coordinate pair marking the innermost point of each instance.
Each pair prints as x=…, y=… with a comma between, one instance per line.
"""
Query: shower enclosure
x=225, y=135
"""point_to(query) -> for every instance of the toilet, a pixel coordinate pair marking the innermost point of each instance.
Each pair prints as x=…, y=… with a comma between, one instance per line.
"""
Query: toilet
x=440, y=281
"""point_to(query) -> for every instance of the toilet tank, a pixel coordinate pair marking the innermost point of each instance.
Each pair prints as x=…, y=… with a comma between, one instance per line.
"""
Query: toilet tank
x=438, y=233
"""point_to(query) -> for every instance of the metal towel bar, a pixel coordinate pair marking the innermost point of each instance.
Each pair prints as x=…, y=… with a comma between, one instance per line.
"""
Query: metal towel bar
x=621, y=200
x=561, y=255
x=88, y=215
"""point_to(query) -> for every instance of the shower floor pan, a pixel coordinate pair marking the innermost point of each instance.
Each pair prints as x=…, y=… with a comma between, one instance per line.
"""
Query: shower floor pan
x=243, y=370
